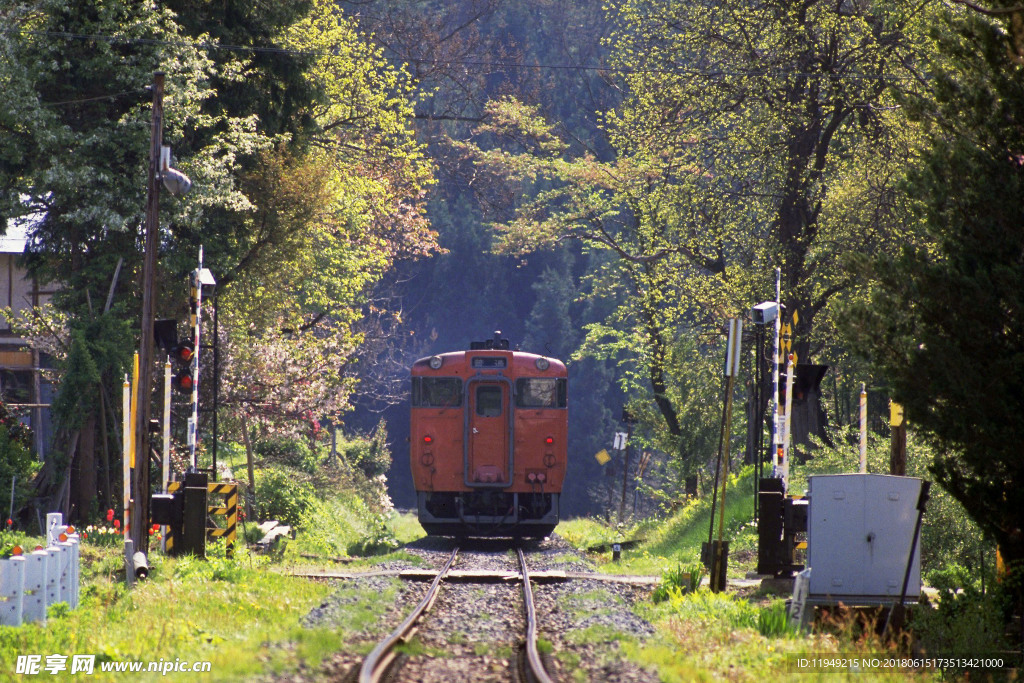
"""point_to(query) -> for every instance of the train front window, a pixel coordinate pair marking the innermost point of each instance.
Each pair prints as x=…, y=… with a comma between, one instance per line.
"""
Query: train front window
x=540, y=393
x=488, y=400
x=436, y=392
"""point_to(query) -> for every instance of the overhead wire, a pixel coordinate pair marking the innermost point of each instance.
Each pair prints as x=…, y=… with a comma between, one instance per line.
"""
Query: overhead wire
x=257, y=49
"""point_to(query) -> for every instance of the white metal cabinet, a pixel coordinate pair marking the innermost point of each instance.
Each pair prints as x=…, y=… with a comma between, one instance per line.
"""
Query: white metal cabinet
x=860, y=528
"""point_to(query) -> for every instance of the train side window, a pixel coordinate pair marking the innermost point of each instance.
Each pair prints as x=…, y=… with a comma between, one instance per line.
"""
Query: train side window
x=540, y=393
x=436, y=392
x=488, y=400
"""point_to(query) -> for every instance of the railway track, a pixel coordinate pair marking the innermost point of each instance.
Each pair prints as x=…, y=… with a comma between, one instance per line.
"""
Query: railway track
x=380, y=664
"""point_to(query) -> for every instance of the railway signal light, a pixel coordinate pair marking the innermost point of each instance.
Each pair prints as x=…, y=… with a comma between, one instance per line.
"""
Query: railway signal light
x=183, y=352
x=182, y=356
x=183, y=381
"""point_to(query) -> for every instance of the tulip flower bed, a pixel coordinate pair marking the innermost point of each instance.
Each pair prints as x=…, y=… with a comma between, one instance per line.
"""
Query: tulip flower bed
x=111, y=533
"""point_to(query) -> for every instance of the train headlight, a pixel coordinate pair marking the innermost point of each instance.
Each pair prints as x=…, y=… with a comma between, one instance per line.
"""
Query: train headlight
x=435, y=362
x=542, y=364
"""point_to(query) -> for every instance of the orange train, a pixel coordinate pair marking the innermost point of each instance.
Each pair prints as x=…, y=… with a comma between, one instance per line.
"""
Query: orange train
x=488, y=441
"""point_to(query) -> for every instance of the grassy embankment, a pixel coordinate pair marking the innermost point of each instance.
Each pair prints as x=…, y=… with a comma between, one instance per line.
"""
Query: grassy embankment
x=243, y=615
x=741, y=634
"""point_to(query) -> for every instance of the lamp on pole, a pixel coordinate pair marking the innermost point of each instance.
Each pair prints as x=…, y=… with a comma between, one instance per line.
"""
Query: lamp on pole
x=140, y=508
x=177, y=183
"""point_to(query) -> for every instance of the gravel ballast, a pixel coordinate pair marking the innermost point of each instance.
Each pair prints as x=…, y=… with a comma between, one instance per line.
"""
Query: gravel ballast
x=474, y=630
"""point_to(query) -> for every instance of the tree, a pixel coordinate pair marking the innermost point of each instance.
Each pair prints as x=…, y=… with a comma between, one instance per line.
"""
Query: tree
x=77, y=118
x=749, y=137
x=946, y=326
x=301, y=203
x=327, y=221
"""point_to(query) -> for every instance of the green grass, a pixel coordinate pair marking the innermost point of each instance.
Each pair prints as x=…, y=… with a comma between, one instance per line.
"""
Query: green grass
x=228, y=612
x=674, y=541
x=704, y=636
x=244, y=615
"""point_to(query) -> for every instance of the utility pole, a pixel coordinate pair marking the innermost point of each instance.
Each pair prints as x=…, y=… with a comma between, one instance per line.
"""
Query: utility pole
x=143, y=394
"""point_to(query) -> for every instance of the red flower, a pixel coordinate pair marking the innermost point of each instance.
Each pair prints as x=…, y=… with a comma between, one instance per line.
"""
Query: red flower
x=150, y=532
x=117, y=524
x=110, y=515
x=10, y=522
x=156, y=527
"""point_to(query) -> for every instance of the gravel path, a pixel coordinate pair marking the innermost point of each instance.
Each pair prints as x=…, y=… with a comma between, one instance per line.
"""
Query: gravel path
x=474, y=630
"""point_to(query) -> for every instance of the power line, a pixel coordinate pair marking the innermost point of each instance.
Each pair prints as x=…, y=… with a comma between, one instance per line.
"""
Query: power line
x=112, y=96
x=289, y=52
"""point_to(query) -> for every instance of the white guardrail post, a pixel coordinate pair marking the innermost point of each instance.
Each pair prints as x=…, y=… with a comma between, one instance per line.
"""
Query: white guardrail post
x=12, y=590
x=31, y=583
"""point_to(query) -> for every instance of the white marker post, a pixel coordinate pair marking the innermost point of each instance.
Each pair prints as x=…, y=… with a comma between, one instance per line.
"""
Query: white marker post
x=776, y=361
x=126, y=455
x=166, y=472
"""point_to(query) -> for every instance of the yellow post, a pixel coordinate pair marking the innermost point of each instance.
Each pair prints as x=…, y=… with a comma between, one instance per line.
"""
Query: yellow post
x=863, y=428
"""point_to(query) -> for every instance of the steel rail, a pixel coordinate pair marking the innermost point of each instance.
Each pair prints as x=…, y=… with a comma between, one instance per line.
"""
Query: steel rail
x=535, y=666
x=376, y=663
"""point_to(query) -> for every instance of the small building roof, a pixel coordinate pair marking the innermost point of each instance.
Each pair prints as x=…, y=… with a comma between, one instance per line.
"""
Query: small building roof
x=13, y=241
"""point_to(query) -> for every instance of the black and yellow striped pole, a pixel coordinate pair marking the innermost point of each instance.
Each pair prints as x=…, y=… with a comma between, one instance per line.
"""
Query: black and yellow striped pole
x=230, y=513
x=229, y=510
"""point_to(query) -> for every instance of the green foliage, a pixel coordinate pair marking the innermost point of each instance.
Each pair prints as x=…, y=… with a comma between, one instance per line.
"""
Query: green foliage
x=964, y=621
x=678, y=580
x=219, y=612
x=283, y=494
x=718, y=611
x=102, y=535
x=286, y=450
x=58, y=610
x=370, y=455
x=331, y=524
x=17, y=459
x=682, y=534
x=379, y=539
x=590, y=532
x=216, y=567
x=949, y=537
x=10, y=538
x=773, y=621
x=742, y=143
x=944, y=325
x=307, y=180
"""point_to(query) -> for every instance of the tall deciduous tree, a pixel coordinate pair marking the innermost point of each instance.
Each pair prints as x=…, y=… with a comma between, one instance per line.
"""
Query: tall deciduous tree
x=75, y=124
x=751, y=136
x=307, y=178
x=946, y=326
x=328, y=219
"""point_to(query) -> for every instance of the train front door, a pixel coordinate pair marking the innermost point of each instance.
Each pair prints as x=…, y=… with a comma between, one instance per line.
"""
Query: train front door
x=488, y=438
